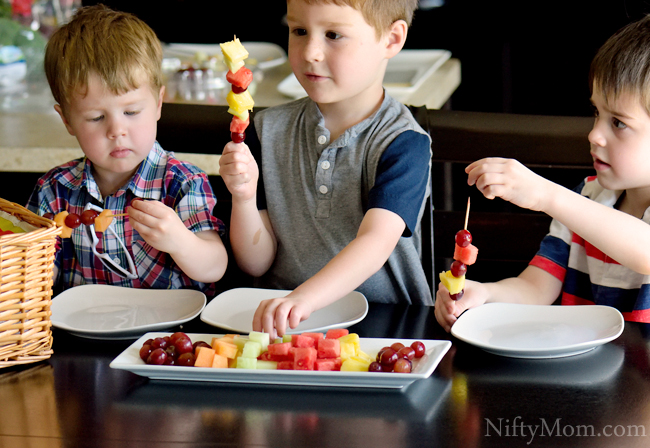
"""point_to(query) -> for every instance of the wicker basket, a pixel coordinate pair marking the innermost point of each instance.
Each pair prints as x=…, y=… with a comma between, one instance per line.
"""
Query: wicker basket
x=26, y=267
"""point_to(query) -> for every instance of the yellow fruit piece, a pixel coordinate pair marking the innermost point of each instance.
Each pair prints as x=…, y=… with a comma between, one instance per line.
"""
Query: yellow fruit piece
x=453, y=284
x=242, y=116
x=364, y=356
x=233, y=66
x=233, y=51
x=355, y=364
x=347, y=350
x=240, y=102
x=353, y=339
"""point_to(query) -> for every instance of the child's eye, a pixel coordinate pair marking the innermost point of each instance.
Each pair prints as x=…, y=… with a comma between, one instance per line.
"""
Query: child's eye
x=131, y=112
x=299, y=31
x=618, y=123
x=333, y=35
x=96, y=119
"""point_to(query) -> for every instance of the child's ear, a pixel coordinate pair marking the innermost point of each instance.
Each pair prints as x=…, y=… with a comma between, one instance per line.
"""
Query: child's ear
x=161, y=96
x=396, y=37
x=59, y=110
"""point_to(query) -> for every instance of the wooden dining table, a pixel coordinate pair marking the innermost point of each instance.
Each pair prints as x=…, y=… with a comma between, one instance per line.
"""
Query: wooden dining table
x=473, y=399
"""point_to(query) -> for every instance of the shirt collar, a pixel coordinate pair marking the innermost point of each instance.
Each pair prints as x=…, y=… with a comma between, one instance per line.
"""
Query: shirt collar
x=146, y=183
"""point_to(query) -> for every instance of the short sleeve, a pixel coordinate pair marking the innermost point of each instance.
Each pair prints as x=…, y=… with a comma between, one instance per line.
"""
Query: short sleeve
x=402, y=178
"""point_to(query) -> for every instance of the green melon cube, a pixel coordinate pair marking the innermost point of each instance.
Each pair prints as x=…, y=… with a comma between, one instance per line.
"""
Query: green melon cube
x=252, y=349
x=267, y=365
x=246, y=363
x=262, y=338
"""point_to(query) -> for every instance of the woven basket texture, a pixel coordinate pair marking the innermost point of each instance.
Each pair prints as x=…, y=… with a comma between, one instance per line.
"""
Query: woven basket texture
x=26, y=276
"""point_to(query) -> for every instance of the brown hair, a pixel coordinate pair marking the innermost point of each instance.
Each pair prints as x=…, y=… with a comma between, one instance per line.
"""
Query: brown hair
x=117, y=46
x=380, y=14
x=622, y=64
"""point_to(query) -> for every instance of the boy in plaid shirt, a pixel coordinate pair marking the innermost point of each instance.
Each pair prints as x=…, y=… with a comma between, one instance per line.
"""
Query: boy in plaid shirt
x=104, y=70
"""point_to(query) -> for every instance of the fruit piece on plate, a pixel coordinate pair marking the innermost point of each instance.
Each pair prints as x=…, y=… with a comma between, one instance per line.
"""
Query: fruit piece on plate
x=335, y=333
x=304, y=358
x=252, y=349
x=466, y=254
x=266, y=365
x=453, y=284
x=355, y=364
x=262, y=338
x=329, y=348
x=225, y=348
x=204, y=357
x=234, y=54
x=352, y=338
x=285, y=365
x=219, y=362
x=300, y=340
x=328, y=364
x=246, y=363
x=279, y=349
x=242, y=78
x=347, y=350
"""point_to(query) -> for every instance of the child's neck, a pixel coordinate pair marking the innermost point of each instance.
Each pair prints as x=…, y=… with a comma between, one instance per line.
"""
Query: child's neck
x=110, y=183
x=342, y=115
x=635, y=202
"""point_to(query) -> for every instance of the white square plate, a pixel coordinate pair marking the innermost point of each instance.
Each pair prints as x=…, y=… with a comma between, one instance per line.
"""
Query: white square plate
x=130, y=360
x=233, y=310
x=114, y=312
x=538, y=331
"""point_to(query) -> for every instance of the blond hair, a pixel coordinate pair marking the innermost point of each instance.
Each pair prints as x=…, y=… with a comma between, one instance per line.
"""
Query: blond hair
x=379, y=14
x=117, y=46
x=622, y=64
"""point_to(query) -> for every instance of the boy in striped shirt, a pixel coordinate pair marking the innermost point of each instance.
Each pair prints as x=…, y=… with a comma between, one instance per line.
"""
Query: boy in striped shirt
x=598, y=247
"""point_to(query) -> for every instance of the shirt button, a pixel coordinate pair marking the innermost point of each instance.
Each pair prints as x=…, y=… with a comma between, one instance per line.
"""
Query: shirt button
x=322, y=189
x=325, y=165
x=322, y=139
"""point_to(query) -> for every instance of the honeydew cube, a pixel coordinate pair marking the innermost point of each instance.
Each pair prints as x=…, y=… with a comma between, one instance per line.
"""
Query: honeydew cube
x=242, y=115
x=219, y=362
x=352, y=338
x=262, y=338
x=347, y=350
x=453, y=284
x=246, y=363
x=252, y=349
x=354, y=364
x=267, y=365
x=240, y=102
x=286, y=338
x=240, y=341
x=232, y=363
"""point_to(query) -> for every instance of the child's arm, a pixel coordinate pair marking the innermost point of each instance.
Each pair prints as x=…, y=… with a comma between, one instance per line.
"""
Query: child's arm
x=533, y=286
x=623, y=237
x=251, y=234
x=201, y=256
x=378, y=234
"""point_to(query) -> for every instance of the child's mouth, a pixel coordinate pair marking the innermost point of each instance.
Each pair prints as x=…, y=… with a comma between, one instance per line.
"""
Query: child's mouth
x=119, y=153
x=599, y=165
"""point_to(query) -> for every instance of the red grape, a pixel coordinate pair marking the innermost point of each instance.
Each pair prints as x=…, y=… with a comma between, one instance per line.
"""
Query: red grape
x=458, y=269
x=157, y=357
x=198, y=344
x=88, y=217
x=388, y=356
x=419, y=349
x=172, y=352
x=457, y=296
x=406, y=353
x=237, y=89
x=145, y=351
x=397, y=346
x=72, y=220
x=169, y=361
x=374, y=367
x=183, y=345
x=402, y=366
x=186, y=359
x=463, y=238
x=160, y=343
x=237, y=137
x=177, y=335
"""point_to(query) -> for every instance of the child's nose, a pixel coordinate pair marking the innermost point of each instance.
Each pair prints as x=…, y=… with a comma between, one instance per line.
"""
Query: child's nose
x=596, y=136
x=313, y=51
x=116, y=129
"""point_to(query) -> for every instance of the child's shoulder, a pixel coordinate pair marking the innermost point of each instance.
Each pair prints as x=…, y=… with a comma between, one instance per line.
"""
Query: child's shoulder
x=68, y=172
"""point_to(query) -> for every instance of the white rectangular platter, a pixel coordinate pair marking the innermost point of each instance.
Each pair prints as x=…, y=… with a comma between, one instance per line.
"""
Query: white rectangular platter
x=130, y=360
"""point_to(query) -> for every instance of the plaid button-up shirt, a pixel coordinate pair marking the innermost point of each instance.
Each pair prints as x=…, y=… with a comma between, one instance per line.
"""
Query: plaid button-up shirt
x=160, y=177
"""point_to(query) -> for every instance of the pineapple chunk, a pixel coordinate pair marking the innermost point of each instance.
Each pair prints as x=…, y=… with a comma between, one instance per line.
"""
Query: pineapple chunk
x=233, y=51
x=453, y=284
x=241, y=115
x=353, y=339
x=240, y=102
x=355, y=364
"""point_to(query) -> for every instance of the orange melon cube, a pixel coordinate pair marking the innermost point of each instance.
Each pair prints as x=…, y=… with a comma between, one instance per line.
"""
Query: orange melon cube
x=219, y=362
x=225, y=348
x=204, y=357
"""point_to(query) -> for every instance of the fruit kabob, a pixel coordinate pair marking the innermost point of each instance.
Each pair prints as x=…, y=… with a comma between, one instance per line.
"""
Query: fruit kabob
x=465, y=254
x=70, y=221
x=239, y=99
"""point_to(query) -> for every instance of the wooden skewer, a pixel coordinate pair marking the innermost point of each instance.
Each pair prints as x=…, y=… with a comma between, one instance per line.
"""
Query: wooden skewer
x=467, y=214
x=117, y=215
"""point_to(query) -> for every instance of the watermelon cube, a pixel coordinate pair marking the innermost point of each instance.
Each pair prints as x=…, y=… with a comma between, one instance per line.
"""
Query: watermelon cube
x=466, y=255
x=285, y=365
x=316, y=336
x=336, y=333
x=237, y=125
x=332, y=364
x=241, y=78
x=266, y=356
x=304, y=358
x=281, y=349
x=299, y=340
x=329, y=348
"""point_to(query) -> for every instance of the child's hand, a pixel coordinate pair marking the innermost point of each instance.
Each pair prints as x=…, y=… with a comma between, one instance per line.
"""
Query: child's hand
x=448, y=310
x=509, y=180
x=272, y=315
x=159, y=225
x=239, y=171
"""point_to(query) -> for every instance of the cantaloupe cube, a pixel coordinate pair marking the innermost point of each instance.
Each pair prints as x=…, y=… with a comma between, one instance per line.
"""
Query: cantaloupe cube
x=246, y=363
x=354, y=364
x=453, y=284
x=219, y=362
x=267, y=365
x=262, y=338
x=252, y=349
x=204, y=357
x=225, y=348
x=466, y=255
x=352, y=338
